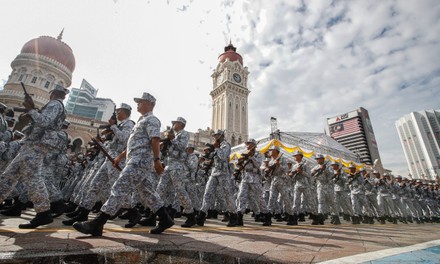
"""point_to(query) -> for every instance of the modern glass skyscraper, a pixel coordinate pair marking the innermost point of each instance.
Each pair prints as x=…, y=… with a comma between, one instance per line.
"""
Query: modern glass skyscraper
x=419, y=134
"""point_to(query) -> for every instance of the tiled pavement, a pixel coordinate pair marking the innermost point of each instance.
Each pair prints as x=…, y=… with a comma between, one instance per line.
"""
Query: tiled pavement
x=279, y=243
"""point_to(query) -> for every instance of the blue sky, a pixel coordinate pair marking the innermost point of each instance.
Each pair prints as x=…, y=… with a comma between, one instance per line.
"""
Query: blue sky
x=308, y=60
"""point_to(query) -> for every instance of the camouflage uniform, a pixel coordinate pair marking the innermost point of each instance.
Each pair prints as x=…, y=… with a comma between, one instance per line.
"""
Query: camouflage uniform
x=26, y=166
x=302, y=197
x=341, y=198
x=107, y=174
x=325, y=190
x=172, y=176
x=279, y=186
x=191, y=164
x=384, y=201
x=220, y=177
x=250, y=187
x=138, y=171
x=358, y=198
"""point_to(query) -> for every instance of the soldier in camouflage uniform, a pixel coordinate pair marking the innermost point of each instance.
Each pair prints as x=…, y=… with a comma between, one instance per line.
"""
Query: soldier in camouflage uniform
x=341, y=200
x=172, y=177
x=142, y=156
x=277, y=170
x=107, y=174
x=359, y=201
x=220, y=177
x=26, y=166
x=302, y=197
x=250, y=186
x=384, y=201
x=191, y=165
x=325, y=190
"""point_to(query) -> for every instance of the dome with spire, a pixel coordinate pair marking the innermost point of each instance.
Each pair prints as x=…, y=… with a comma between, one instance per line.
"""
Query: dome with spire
x=53, y=48
x=230, y=54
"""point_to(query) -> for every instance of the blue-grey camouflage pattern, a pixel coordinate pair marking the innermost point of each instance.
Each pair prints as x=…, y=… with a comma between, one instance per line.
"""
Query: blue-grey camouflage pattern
x=302, y=199
x=250, y=194
x=190, y=178
x=173, y=176
x=325, y=190
x=138, y=172
x=279, y=187
x=384, y=201
x=359, y=201
x=220, y=177
x=341, y=196
x=26, y=166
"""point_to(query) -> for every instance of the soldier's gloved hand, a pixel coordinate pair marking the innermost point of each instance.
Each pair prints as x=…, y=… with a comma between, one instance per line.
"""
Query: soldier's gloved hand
x=28, y=104
x=112, y=122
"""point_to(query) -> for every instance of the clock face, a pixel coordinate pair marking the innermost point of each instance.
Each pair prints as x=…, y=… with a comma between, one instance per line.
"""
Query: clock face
x=236, y=77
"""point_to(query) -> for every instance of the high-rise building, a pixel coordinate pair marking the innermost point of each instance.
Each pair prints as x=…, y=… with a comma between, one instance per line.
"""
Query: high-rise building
x=419, y=134
x=83, y=102
x=230, y=96
x=355, y=132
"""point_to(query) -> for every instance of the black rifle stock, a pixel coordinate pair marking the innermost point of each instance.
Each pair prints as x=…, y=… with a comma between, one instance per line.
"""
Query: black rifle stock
x=106, y=154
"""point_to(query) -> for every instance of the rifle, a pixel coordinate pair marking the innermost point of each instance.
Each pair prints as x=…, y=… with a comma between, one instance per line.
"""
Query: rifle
x=294, y=173
x=243, y=161
x=320, y=170
x=166, y=142
x=27, y=97
x=353, y=177
x=106, y=154
x=269, y=170
x=336, y=176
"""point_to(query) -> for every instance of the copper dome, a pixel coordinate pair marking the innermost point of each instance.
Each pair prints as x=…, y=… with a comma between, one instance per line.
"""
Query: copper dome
x=230, y=54
x=52, y=48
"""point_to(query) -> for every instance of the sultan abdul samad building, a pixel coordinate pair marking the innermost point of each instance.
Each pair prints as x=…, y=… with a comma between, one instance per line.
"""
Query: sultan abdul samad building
x=45, y=62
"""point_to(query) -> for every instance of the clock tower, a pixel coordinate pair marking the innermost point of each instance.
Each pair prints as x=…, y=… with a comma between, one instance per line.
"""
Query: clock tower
x=230, y=97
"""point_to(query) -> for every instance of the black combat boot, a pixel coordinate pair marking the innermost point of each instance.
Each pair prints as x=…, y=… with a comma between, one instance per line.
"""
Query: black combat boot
x=225, y=217
x=70, y=207
x=125, y=215
x=190, y=221
x=233, y=220
x=355, y=220
x=148, y=220
x=315, y=220
x=409, y=219
x=15, y=209
x=394, y=220
x=301, y=217
x=97, y=207
x=57, y=208
x=42, y=218
x=259, y=217
x=290, y=220
x=278, y=217
x=336, y=220
x=133, y=217
x=240, y=219
x=381, y=220
x=172, y=212
x=321, y=219
x=267, y=219
x=93, y=227
x=200, y=218
x=75, y=212
x=165, y=221
x=83, y=215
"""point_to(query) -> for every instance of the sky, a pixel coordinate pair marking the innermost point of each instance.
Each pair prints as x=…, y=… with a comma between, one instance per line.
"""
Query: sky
x=308, y=60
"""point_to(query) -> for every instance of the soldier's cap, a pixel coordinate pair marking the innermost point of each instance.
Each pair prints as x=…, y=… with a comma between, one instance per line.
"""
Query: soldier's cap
x=190, y=145
x=3, y=106
x=180, y=120
x=9, y=119
x=405, y=179
x=351, y=166
x=18, y=134
x=398, y=177
x=60, y=88
x=273, y=147
x=319, y=156
x=66, y=123
x=418, y=181
x=334, y=163
x=252, y=141
x=219, y=132
x=145, y=97
x=362, y=169
x=375, y=172
x=124, y=106
x=289, y=161
x=297, y=152
x=267, y=159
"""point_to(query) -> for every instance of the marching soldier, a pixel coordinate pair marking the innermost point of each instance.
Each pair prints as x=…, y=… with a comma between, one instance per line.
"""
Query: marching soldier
x=358, y=198
x=325, y=190
x=26, y=166
x=142, y=155
x=220, y=177
x=341, y=200
x=250, y=187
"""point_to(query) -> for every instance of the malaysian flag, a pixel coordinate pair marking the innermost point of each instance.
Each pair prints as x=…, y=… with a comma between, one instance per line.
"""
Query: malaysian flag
x=344, y=128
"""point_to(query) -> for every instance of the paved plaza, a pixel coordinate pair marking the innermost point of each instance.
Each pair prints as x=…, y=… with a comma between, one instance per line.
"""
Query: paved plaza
x=213, y=243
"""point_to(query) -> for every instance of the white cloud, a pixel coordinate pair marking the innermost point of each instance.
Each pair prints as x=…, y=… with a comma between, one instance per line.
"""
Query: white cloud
x=308, y=60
